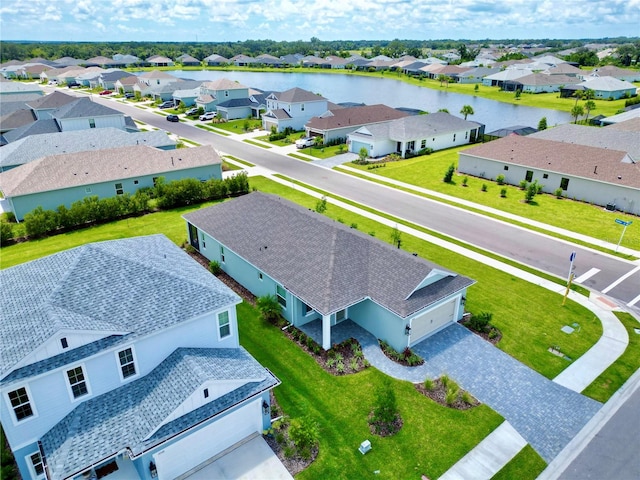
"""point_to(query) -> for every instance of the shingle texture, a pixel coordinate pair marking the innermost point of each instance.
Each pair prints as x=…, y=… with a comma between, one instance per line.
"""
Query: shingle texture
x=298, y=95
x=123, y=418
x=77, y=288
x=322, y=262
x=97, y=166
x=33, y=147
x=355, y=116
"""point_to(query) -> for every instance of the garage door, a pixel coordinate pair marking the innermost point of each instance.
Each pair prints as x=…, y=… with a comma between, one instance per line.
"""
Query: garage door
x=431, y=321
x=203, y=444
x=356, y=146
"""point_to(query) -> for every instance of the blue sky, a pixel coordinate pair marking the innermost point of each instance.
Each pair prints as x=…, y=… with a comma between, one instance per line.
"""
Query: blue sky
x=237, y=20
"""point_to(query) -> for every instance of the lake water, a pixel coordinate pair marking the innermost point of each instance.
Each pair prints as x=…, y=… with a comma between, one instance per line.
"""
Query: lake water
x=340, y=88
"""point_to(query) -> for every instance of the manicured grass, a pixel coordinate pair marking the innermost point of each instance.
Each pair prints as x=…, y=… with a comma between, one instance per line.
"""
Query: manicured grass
x=244, y=162
x=299, y=157
x=432, y=439
x=529, y=316
x=227, y=167
x=427, y=172
x=238, y=126
x=257, y=144
x=614, y=377
x=214, y=130
x=526, y=465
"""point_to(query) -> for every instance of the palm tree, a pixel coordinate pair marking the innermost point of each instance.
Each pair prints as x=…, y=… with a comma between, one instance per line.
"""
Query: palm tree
x=576, y=112
x=588, y=106
x=467, y=110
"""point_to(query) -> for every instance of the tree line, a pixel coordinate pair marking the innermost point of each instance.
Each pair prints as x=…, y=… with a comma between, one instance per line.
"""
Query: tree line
x=628, y=53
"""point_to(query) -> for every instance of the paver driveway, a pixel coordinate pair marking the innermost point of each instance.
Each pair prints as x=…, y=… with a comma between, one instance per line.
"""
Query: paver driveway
x=546, y=414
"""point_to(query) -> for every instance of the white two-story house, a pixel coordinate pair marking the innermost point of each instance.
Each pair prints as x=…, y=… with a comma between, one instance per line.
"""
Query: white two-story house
x=220, y=91
x=121, y=360
x=292, y=108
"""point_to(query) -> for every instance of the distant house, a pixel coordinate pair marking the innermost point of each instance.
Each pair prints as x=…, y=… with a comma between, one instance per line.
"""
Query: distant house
x=274, y=247
x=160, y=61
x=188, y=61
x=108, y=79
x=292, y=108
x=412, y=134
x=601, y=176
x=220, y=91
x=187, y=92
x=609, y=87
x=623, y=74
x=336, y=124
x=125, y=84
x=63, y=179
x=539, y=83
x=34, y=147
x=215, y=60
x=121, y=359
x=514, y=130
x=100, y=61
x=475, y=75
x=150, y=82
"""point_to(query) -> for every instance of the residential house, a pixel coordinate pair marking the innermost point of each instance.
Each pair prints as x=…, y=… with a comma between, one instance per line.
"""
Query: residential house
x=150, y=82
x=292, y=108
x=269, y=60
x=622, y=119
x=159, y=61
x=10, y=90
x=215, y=60
x=122, y=358
x=475, y=75
x=187, y=92
x=609, y=88
x=292, y=59
x=63, y=179
x=33, y=147
x=125, y=84
x=602, y=176
x=188, y=61
x=336, y=124
x=219, y=91
x=506, y=75
x=68, y=62
x=323, y=272
x=565, y=69
x=108, y=78
x=242, y=60
x=514, y=130
x=623, y=74
x=126, y=60
x=411, y=134
x=44, y=107
x=100, y=61
x=539, y=83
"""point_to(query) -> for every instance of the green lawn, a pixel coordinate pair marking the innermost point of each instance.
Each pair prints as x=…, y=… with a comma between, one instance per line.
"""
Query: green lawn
x=529, y=316
x=614, y=377
x=427, y=172
x=526, y=465
x=238, y=126
x=432, y=439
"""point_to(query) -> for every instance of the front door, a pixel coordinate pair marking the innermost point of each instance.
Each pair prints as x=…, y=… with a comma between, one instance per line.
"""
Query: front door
x=193, y=237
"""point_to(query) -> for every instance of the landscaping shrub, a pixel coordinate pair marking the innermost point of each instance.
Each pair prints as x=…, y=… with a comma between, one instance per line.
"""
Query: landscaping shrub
x=269, y=308
x=304, y=434
x=214, y=267
x=558, y=193
x=503, y=192
x=531, y=191
x=465, y=180
x=39, y=222
x=448, y=176
x=484, y=187
x=523, y=184
x=428, y=384
x=321, y=205
x=385, y=418
x=480, y=322
x=6, y=232
x=500, y=179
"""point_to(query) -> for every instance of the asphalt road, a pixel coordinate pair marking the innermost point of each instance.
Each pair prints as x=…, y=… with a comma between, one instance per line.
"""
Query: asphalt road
x=524, y=246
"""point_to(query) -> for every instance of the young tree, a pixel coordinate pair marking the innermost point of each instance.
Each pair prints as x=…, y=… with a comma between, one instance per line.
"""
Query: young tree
x=531, y=191
x=542, y=124
x=467, y=110
x=577, y=111
x=269, y=308
x=588, y=106
x=396, y=237
x=448, y=176
x=363, y=154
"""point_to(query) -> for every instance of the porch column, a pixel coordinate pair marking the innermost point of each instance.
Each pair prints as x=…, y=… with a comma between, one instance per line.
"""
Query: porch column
x=326, y=332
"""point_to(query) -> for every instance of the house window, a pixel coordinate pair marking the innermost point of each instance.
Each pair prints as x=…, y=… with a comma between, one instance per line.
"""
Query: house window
x=119, y=189
x=204, y=243
x=222, y=254
x=92, y=123
x=127, y=363
x=226, y=93
x=529, y=176
x=64, y=342
x=20, y=403
x=281, y=295
x=36, y=463
x=155, y=181
x=260, y=276
x=506, y=167
x=454, y=137
x=423, y=144
x=77, y=382
x=302, y=107
x=545, y=175
x=306, y=309
x=466, y=135
x=135, y=182
x=206, y=393
x=564, y=183
x=224, y=326
x=87, y=189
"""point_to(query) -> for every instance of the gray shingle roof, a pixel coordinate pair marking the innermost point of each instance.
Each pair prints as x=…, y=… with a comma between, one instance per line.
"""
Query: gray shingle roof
x=74, y=289
x=36, y=146
x=297, y=95
x=38, y=127
x=97, y=166
x=53, y=100
x=421, y=126
x=84, y=107
x=354, y=116
x=122, y=418
x=322, y=262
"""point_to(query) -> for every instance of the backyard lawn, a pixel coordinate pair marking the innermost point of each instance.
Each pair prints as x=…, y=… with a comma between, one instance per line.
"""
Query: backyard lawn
x=427, y=172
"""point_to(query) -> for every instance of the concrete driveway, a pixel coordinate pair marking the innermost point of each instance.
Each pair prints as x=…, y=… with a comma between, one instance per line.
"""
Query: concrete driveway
x=251, y=460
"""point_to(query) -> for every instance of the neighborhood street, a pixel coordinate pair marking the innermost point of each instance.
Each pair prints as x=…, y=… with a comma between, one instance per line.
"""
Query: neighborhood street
x=545, y=253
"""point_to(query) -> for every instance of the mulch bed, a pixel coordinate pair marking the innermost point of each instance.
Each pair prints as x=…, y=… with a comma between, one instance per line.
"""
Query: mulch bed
x=439, y=395
x=383, y=429
x=493, y=336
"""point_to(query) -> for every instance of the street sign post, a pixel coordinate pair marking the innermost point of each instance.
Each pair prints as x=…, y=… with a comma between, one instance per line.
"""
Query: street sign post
x=624, y=229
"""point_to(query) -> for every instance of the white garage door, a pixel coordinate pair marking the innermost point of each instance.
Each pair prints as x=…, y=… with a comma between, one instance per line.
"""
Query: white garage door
x=431, y=321
x=194, y=449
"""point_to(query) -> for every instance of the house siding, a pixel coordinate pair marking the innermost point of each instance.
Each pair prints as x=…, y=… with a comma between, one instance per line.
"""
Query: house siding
x=70, y=124
x=51, y=200
x=626, y=199
x=380, y=322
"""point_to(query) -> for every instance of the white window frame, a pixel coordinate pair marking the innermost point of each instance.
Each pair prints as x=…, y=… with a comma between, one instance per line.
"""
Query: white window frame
x=119, y=190
x=222, y=259
x=279, y=297
x=220, y=325
x=134, y=361
x=32, y=468
x=86, y=382
x=14, y=418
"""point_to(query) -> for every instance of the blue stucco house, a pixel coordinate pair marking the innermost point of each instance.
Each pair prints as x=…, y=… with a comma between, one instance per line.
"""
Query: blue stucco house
x=322, y=271
x=123, y=356
x=56, y=180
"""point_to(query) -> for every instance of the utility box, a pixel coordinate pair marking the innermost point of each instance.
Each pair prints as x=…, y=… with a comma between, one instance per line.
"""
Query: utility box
x=365, y=447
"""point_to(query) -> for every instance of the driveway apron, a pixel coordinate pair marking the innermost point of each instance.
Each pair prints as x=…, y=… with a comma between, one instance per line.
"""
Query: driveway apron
x=546, y=414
